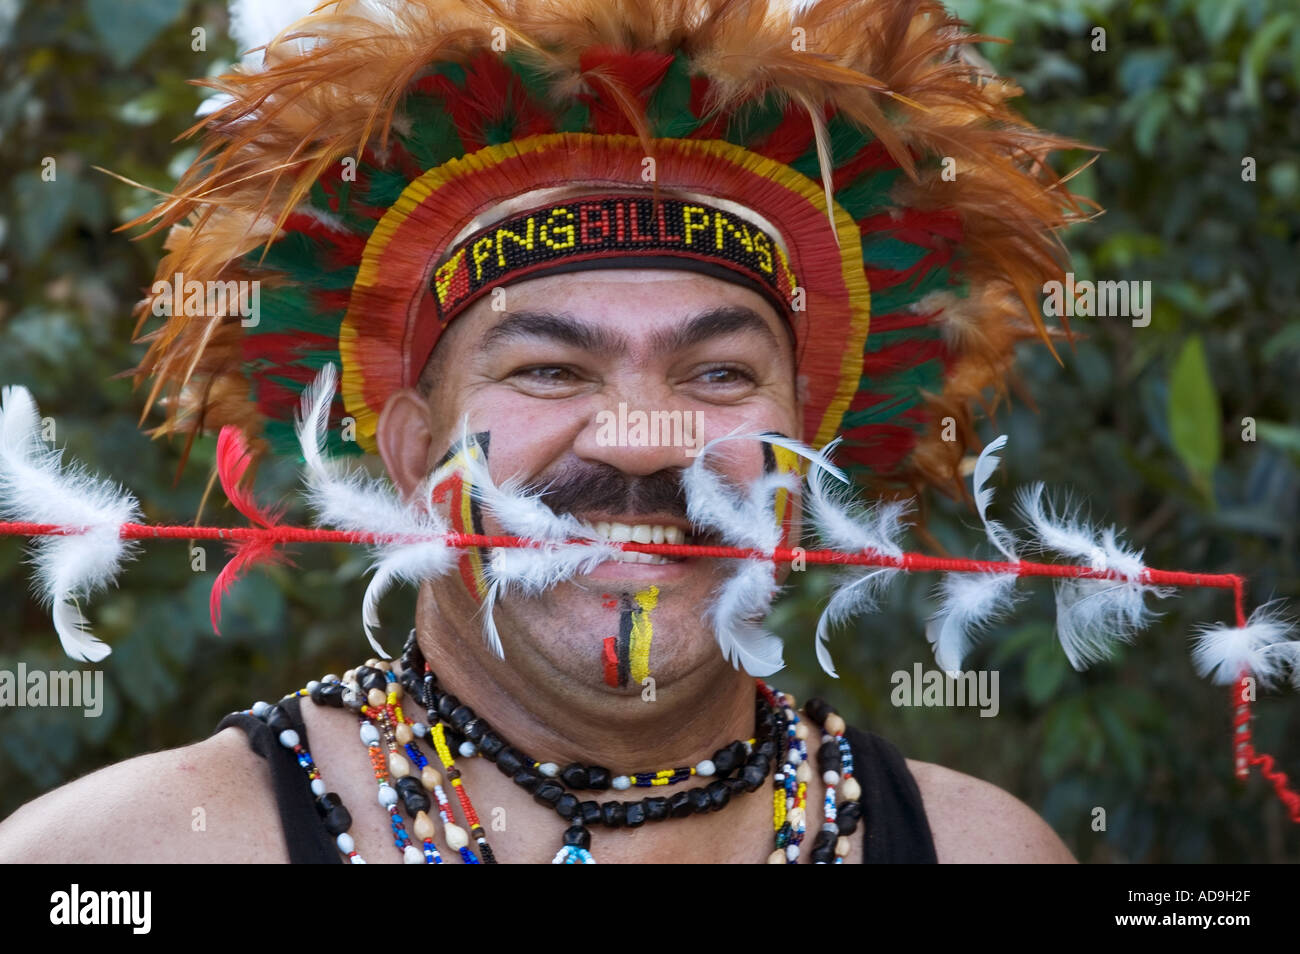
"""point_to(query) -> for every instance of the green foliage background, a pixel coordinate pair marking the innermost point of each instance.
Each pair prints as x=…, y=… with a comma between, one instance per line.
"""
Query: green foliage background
x=1145, y=423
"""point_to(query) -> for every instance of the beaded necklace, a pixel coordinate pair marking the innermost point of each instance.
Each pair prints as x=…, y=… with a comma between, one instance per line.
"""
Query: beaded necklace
x=374, y=692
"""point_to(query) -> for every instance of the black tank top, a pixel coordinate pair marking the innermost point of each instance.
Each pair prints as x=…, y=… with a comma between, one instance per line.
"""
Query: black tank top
x=894, y=825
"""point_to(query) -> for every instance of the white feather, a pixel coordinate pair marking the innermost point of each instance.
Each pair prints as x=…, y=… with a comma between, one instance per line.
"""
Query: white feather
x=255, y=23
x=352, y=501
x=744, y=520
x=1092, y=615
x=1261, y=648
x=35, y=487
x=845, y=525
x=739, y=602
x=521, y=514
x=1063, y=532
x=998, y=534
x=533, y=570
x=528, y=570
x=968, y=603
x=411, y=563
x=857, y=593
x=488, y=610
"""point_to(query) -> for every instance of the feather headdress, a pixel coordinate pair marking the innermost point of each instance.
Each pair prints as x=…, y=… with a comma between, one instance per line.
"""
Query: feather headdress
x=373, y=132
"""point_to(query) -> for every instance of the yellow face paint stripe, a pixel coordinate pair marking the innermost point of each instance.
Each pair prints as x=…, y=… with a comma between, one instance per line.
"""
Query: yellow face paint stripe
x=642, y=633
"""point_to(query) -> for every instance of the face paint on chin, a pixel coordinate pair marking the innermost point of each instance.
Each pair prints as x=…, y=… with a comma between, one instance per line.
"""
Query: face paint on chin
x=626, y=657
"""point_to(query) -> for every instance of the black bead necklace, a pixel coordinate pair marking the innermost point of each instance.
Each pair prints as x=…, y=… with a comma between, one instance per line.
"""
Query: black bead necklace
x=751, y=763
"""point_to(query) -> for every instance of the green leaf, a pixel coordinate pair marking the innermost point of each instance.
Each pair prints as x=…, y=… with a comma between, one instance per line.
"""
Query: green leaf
x=1150, y=122
x=42, y=209
x=1045, y=670
x=127, y=29
x=1282, y=436
x=1255, y=59
x=1216, y=17
x=1142, y=70
x=1123, y=741
x=1195, y=418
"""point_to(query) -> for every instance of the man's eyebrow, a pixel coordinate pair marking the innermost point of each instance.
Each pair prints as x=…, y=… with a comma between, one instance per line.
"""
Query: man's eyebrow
x=723, y=320
x=565, y=329
x=557, y=326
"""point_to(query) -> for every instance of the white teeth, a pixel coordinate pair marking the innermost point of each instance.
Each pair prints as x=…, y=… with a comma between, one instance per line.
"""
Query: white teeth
x=639, y=533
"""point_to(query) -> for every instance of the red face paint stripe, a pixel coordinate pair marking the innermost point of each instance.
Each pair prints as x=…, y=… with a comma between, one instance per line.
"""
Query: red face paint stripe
x=611, y=662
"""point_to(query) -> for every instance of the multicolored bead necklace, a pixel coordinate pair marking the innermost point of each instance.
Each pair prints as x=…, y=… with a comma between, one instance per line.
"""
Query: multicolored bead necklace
x=546, y=781
x=374, y=692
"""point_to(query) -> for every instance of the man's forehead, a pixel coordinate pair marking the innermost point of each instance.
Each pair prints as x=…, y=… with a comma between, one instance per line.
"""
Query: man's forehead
x=616, y=309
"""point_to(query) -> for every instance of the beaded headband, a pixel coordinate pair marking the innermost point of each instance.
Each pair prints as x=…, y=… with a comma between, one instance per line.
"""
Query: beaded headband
x=613, y=231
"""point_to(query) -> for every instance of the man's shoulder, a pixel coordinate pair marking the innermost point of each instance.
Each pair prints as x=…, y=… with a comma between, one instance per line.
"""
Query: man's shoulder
x=206, y=802
x=975, y=822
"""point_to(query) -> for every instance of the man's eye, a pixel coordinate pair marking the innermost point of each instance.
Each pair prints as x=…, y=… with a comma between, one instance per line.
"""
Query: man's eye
x=547, y=374
x=726, y=375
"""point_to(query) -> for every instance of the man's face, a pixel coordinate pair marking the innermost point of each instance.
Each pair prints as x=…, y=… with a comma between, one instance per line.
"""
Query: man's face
x=602, y=386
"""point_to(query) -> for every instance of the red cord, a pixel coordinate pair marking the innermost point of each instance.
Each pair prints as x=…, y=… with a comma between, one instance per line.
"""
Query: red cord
x=1245, y=754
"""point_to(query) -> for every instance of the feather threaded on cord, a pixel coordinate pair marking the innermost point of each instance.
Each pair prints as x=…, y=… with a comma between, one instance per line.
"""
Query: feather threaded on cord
x=1262, y=648
x=876, y=528
x=970, y=603
x=1092, y=615
x=36, y=487
x=531, y=570
x=744, y=519
x=351, y=500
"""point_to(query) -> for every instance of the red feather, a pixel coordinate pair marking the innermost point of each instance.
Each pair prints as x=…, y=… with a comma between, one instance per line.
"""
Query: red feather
x=245, y=557
x=233, y=460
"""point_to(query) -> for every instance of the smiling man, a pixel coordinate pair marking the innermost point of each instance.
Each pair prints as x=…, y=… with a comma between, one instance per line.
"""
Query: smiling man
x=528, y=217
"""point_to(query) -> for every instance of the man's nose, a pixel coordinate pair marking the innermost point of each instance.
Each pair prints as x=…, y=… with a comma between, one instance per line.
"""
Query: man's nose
x=640, y=439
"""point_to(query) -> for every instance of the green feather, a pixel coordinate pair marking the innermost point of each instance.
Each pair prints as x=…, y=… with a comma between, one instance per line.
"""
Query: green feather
x=433, y=138
x=902, y=296
x=669, y=109
x=386, y=186
x=295, y=308
x=868, y=194
x=300, y=257
x=882, y=251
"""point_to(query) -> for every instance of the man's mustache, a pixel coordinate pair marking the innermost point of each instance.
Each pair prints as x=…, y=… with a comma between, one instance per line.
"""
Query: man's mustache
x=601, y=487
